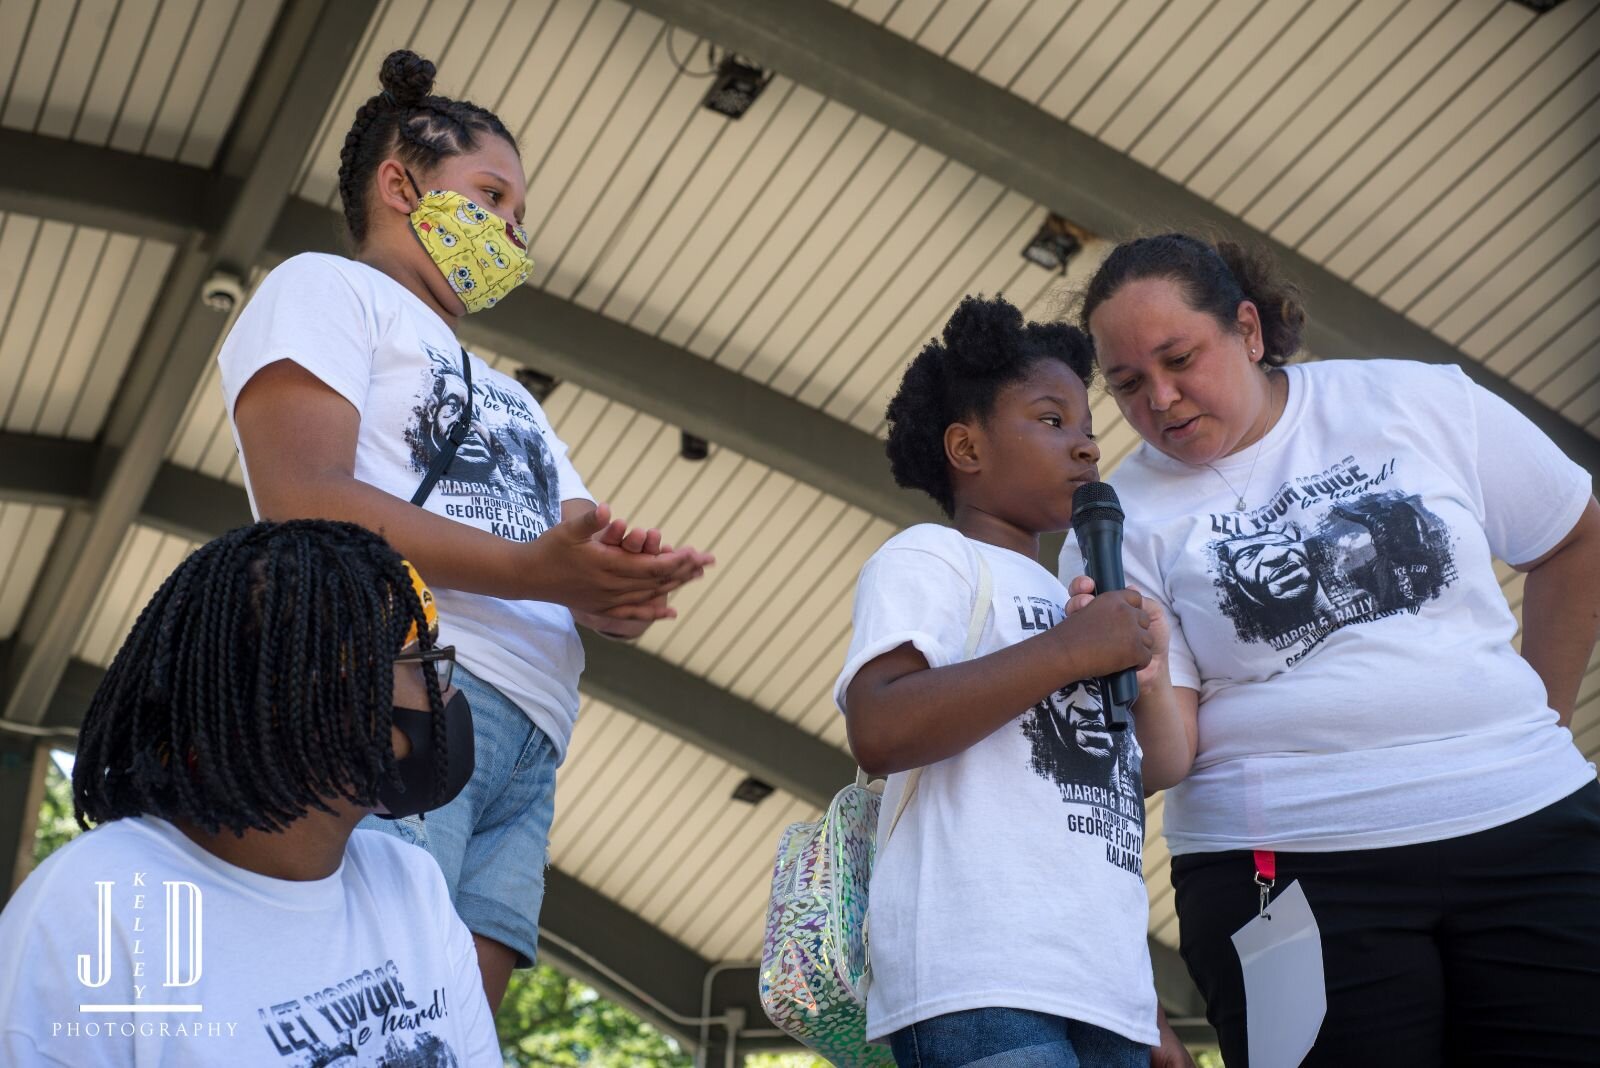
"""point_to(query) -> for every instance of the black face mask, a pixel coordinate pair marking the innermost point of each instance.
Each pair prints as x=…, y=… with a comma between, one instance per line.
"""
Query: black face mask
x=419, y=784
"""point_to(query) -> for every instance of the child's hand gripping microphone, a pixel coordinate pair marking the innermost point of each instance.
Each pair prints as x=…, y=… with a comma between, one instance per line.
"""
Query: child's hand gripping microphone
x=1097, y=522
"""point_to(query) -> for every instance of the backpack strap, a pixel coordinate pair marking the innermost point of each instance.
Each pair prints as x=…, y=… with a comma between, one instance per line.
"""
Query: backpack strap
x=980, y=616
x=458, y=433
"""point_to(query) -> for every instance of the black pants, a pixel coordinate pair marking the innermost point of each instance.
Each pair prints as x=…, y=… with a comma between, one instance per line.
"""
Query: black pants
x=1479, y=950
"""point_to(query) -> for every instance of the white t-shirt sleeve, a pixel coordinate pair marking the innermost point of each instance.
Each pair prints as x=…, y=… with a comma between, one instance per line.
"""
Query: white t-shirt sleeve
x=1532, y=494
x=921, y=595
x=572, y=487
x=307, y=310
x=18, y=1051
x=38, y=986
x=477, y=1023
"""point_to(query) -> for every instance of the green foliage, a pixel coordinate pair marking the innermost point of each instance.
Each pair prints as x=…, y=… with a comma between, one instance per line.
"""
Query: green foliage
x=548, y=1019
x=56, y=826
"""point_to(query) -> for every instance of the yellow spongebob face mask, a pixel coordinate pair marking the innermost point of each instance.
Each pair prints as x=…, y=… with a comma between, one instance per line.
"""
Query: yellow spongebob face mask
x=430, y=610
x=482, y=256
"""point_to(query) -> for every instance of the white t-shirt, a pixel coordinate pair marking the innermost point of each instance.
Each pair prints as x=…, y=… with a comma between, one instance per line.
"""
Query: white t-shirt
x=374, y=343
x=1014, y=878
x=1346, y=632
x=356, y=970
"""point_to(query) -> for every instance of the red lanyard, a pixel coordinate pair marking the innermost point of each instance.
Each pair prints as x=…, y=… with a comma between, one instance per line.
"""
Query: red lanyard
x=1266, y=875
x=1266, y=864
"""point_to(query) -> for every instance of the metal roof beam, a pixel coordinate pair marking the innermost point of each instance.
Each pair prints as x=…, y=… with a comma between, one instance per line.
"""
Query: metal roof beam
x=909, y=89
x=314, y=40
x=118, y=191
x=729, y=727
x=49, y=471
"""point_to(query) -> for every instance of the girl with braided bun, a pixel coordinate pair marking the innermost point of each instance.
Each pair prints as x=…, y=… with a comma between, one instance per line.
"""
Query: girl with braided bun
x=281, y=685
x=351, y=398
x=1008, y=909
x=1322, y=537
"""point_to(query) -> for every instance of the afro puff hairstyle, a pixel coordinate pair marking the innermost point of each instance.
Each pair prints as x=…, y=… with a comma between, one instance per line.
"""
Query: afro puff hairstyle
x=985, y=347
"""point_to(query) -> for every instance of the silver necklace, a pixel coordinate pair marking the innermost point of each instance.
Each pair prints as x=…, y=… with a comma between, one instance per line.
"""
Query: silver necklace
x=1248, y=479
x=1239, y=494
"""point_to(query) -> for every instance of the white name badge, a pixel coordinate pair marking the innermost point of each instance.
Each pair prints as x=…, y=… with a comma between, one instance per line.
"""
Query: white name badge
x=1285, y=996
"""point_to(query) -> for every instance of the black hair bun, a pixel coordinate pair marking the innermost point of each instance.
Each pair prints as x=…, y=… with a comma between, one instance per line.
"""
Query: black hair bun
x=1067, y=343
x=984, y=336
x=406, y=77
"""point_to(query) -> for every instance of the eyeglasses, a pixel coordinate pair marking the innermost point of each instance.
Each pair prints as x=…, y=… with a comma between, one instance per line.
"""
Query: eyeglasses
x=441, y=658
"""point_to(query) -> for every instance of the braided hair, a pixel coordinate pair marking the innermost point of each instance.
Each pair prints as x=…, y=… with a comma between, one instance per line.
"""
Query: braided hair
x=986, y=346
x=406, y=121
x=256, y=683
x=1215, y=279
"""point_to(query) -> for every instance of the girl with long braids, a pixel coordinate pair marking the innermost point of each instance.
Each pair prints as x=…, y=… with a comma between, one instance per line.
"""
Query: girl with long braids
x=281, y=685
x=352, y=398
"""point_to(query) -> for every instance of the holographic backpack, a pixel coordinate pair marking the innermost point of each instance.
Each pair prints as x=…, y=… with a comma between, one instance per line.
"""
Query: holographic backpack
x=815, y=966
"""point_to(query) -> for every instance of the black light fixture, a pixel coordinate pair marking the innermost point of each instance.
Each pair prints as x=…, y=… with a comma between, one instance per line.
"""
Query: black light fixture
x=692, y=448
x=1538, y=7
x=537, y=383
x=735, y=88
x=1055, y=244
x=752, y=791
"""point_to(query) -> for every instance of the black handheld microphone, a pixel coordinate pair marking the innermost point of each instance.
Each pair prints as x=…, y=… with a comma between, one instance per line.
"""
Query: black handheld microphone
x=1097, y=521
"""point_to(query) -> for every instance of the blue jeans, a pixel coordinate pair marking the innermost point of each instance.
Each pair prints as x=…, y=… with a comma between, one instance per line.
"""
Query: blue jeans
x=1012, y=1038
x=493, y=841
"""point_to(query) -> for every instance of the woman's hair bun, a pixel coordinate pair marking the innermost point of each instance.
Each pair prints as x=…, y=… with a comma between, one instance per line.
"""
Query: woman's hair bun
x=406, y=77
x=984, y=336
x=1278, y=300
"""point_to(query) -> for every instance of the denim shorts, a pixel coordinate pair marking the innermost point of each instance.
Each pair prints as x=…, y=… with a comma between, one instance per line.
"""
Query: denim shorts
x=493, y=841
x=1012, y=1038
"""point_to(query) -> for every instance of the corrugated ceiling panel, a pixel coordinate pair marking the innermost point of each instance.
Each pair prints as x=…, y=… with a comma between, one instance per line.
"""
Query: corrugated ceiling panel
x=145, y=560
x=1440, y=153
x=1423, y=41
x=40, y=32
x=1041, y=295
x=63, y=351
x=226, y=83
x=844, y=161
x=157, y=77
x=1158, y=872
x=985, y=261
x=28, y=295
x=26, y=534
x=651, y=822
